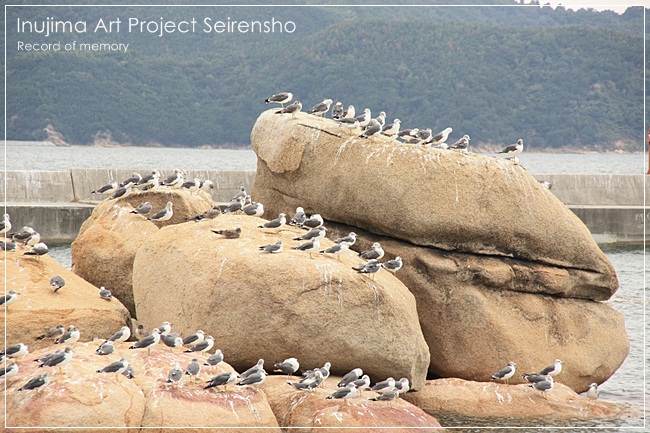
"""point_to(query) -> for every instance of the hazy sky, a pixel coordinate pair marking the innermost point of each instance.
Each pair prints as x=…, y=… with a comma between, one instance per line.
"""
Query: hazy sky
x=615, y=5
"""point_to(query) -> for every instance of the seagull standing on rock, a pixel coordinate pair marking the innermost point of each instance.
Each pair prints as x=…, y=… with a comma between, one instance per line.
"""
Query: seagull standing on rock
x=505, y=373
x=272, y=248
x=393, y=265
x=164, y=214
x=105, y=294
x=9, y=298
x=280, y=98
x=148, y=341
x=288, y=366
x=223, y=379
x=291, y=109
x=71, y=336
x=277, y=223
x=122, y=335
x=375, y=252
x=321, y=108
x=309, y=247
x=513, y=150
x=203, y=346
x=57, y=282
x=142, y=209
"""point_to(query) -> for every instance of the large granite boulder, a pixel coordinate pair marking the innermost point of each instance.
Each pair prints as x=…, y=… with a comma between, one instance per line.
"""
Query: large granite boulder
x=38, y=308
x=500, y=268
x=311, y=411
x=457, y=397
x=80, y=397
x=275, y=306
x=429, y=197
x=104, y=250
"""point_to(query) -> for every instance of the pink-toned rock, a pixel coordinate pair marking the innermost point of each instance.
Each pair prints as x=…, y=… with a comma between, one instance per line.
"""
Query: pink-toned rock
x=38, y=308
x=80, y=397
x=311, y=411
x=494, y=400
x=104, y=250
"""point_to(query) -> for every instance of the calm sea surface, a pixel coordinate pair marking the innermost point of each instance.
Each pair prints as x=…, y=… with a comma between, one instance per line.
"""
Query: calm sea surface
x=626, y=386
x=146, y=158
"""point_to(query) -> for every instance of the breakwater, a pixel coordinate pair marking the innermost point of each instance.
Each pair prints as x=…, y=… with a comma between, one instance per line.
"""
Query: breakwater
x=57, y=202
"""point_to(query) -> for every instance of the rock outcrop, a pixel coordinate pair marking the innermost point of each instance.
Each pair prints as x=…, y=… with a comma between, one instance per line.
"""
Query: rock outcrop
x=38, y=308
x=500, y=268
x=480, y=400
x=104, y=250
x=80, y=397
x=275, y=306
x=311, y=411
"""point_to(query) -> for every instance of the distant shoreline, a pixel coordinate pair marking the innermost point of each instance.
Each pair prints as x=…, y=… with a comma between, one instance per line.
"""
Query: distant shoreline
x=478, y=149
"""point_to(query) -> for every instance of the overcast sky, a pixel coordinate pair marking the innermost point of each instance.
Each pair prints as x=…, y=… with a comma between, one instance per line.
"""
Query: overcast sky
x=615, y=5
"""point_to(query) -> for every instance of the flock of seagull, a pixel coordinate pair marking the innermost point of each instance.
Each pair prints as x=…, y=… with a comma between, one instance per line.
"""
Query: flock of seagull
x=347, y=118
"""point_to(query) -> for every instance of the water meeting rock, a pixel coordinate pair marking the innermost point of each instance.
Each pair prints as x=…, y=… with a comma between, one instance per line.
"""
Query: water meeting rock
x=280, y=305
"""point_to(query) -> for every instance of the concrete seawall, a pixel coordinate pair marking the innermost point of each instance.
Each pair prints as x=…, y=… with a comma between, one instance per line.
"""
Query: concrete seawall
x=57, y=202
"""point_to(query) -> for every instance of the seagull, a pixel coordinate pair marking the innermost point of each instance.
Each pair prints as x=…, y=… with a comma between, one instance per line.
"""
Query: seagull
x=299, y=218
x=148, y=341
x=349, y=112
x=532, y=378
x=350, y=239
x=215, y=359
x=165, y=328
x=387, y=396
x=222, y=379
x=7, y=246
x=257, y=368
x=117, y=367
x=106, y=348
x=372, y=267
x=105, y=294
x=150, y=180
x=272, y=248
x=288, y=366
x=277, y=223
x=337, y=111
x=424, y=136
x=291, y=109
x=552, y=370
x=195, y=338
x=440, y=137
x=364, y=118
x=344, y=393
x=324, y=371
x=513, y=150
x=55, y=332
x=402, y=385
x=175, y=376
x=409, y=135
x=175, y=180
x=48, y=356
x=134, y=179
x=107, y=189
x=193, y=369
x=59, y=360
x=122, y=335
x=172, y=341
x=5, y=225
x=9, y=298
x=311, y=383
x=240, y=194
x=381, y=118
x=207, y=185
x=209, y=214
x=57, y=282
x=140, y=332
x=142, y=209
x=255, y=209
x=392, y=128
x=37, y=382
x=203, y=346
x=27, y=236
x=19, y=350
x=235, y=205
x=192, y=185
x=71, y=336
x=544, y=386
x=373, y=127
x=461, y=144
x=309, y=247
x=314, y=221
x=384, y=385
x=280, y=98
x=122, y=191
x=163, y=215
x=375, y=252
x=362, y=383
x=321, y=108
x=336, y=249
x=393, y=265
x=505, y=373
x=592, y=393
x=318, y=232
x=353, y=375
x=229, y=234
x=37, y=250
x=9, y=371
x=546, y=184
x=253, y=379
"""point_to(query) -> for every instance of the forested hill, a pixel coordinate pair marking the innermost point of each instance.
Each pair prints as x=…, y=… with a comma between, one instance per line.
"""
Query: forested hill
x=553, y=77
